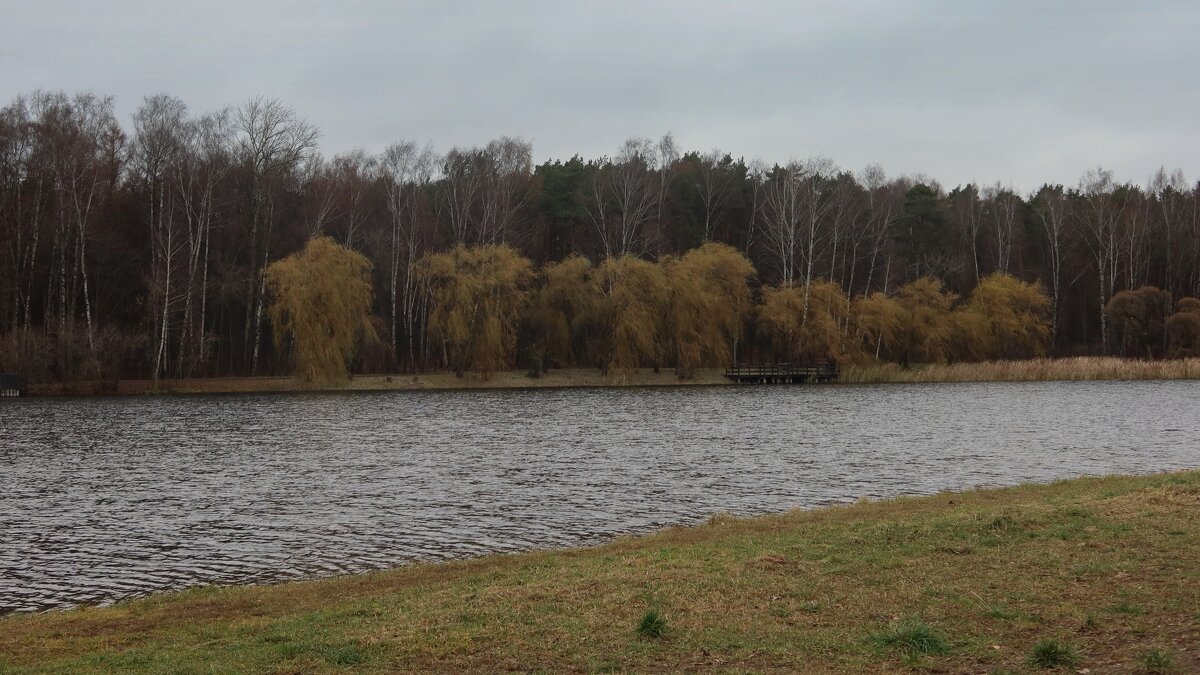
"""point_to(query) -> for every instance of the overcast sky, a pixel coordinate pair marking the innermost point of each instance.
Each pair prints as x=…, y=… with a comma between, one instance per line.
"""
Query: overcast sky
x=1020, y=92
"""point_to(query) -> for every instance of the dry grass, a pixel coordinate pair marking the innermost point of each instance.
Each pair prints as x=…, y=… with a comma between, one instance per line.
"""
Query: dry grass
x=1032, y=370
x=1110, y=566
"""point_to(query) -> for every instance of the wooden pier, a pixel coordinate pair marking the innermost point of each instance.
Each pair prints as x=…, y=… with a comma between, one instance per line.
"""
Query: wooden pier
x=784, y=373
x=11, y=385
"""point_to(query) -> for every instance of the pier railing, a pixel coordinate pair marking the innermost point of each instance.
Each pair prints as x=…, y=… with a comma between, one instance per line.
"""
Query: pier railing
x=779, y=373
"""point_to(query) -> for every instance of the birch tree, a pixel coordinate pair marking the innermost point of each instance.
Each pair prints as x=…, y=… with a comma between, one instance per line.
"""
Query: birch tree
x=156, y=155
x=406, y=171
x=272, y=141
x=1099, y=218
x=204, y=167
x=1052, y=209
x=625, y=195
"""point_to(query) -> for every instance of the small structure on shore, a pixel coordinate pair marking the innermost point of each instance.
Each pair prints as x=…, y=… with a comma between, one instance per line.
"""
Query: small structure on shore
x=11, y=385
x=820, y=370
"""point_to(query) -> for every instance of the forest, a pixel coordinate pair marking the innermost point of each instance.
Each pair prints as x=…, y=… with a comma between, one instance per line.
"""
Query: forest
x=224, y=243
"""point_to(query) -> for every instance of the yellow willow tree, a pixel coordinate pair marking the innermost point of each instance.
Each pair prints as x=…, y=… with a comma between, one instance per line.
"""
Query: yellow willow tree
x=477, y=297
x=1004, y=318
x=557, y=310
x=709, y=298
x=926, y=331
x=805, y=334
x=627, y=318
x=878, y=320
x=322, y=302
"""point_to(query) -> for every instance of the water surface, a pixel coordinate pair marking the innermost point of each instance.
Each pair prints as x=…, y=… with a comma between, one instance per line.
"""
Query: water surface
x=108, y=498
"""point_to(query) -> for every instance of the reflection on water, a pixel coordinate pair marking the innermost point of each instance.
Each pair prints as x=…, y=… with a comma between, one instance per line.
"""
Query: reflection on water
x=102, y=499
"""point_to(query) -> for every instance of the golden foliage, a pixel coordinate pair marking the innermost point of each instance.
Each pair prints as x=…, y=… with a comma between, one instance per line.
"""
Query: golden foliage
x=632, y=298
x=710, y=297
x=1004, y=318
x=925, y=334
x=558, y=309
x=805, y=322
x=322, y=300
x=478, y=294
x=879, y=320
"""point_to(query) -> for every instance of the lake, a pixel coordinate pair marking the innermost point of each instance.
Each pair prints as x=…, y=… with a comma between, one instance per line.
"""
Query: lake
x=109, y=498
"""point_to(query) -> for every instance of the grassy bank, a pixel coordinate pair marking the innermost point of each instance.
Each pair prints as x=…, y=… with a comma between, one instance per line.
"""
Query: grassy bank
x=1101, y=574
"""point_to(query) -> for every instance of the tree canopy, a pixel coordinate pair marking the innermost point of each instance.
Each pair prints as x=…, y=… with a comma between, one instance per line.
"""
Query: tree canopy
x=478, y=294
x=321, y=307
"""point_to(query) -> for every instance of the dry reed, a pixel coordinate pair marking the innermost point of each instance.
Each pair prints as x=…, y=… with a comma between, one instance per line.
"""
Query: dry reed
x=1031, y=370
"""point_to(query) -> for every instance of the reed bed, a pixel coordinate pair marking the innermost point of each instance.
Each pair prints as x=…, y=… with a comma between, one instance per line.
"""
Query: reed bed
x=1031, y=370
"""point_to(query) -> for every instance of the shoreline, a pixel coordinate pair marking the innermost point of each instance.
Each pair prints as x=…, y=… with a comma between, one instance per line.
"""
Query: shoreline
x=1031, y=370
x=1106, y=565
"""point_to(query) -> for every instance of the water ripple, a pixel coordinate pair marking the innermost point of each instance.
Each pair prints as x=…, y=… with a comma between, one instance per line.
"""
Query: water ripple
x=104, y=499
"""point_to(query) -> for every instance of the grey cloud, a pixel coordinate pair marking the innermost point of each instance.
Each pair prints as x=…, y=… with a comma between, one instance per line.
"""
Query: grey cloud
x=1020, y=92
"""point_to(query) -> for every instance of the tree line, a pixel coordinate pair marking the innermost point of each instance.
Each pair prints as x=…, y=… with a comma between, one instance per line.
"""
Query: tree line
x=142, y=250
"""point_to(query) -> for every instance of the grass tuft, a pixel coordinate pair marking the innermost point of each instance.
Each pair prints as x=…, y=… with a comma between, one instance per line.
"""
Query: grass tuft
x=1157, y=661
x=913, y=636
x=1051, y=653
x=653, y=625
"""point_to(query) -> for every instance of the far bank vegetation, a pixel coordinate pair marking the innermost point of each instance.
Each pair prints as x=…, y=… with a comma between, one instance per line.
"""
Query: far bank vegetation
x=139, y=248
x=490, y=309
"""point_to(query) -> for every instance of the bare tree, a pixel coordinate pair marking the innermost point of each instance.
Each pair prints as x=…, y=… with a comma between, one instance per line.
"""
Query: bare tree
x=796, y=199
x=482, y=190
x=1171, y=193
x=1005, y=208
x=625, y=196
x=155, y=156
x=884, y=200
x=506, y=187
x=85, y=143
x=206, y=161
x=24, y=200
x=1053, y=209
x=1136, y=226
x=968, y=209
x=1099, y=216
x=271, y=143
x=406, y=171
x=714, y=184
